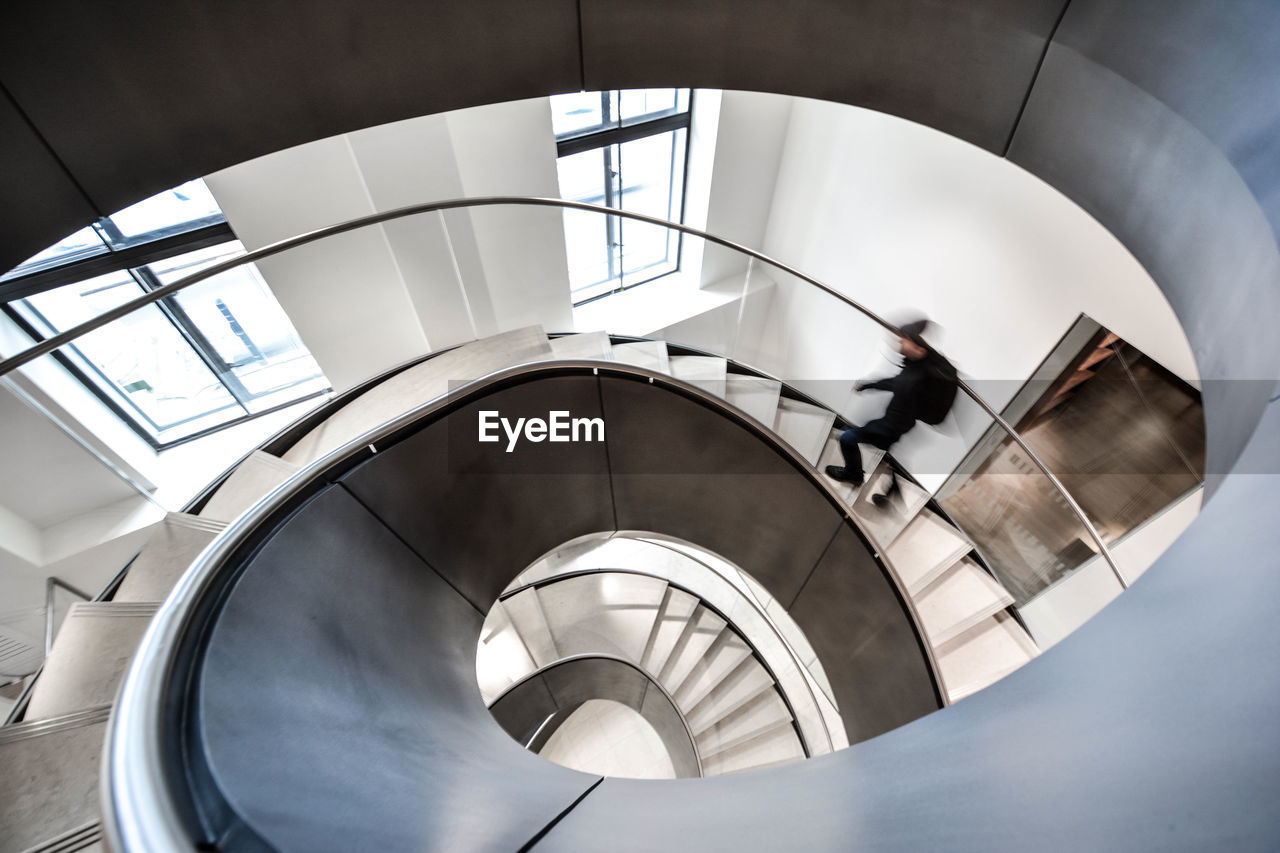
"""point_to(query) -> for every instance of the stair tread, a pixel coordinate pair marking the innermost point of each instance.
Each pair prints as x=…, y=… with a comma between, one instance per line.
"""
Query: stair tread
x=960, y=599
x=672, y=618
x=165, y=556
x=984, y=654
x=927, y=548
x=525, y=613
x=650, y=354
x=502, y=658
x=418, y=385
x=755, y=395
x=708, y=673
x=702, y=630
x=582, y=345
x=765, y=711
x=252, y=480
x=779, y=746
x=602, y=613
x=885, y=524
x=706, y=372
x=89, y=657
x=832, y=455
x=746, y=682
x=50, y=783
x=804, y=426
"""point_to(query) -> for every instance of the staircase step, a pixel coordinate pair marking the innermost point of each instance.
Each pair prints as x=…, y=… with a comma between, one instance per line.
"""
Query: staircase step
x=251, y=481
x=608, y=613
x=674, y=614
x=706, y=372
x=87, y=837
x=582, y=345
x=166, y=555
x=755, y=395
x=89, y=657
x=698, y=635
x=502, y=658
x=650, y=354
x=49, y=787
x=721, y=658
x=763, y=713
x=805, y=427
x=780, y=746
x=832, y=455
x=418, y=385
x=927, y=548
x=525, y=614
x=747, y=681
x=964, y=596
x=983, y=655
x=884, y=524
x=711, y=750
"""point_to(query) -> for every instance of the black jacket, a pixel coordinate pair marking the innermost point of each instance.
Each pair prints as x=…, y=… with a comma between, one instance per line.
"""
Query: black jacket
x=923, y=391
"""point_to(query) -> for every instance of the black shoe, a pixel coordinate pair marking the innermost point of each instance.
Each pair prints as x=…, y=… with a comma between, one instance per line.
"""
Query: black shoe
x=881, y=501
x=844, y=475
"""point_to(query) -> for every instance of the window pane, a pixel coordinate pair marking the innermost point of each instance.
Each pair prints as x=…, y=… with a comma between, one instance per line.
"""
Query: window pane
x=179, y=206
x=587, y=240
x=650, y=168
x=140, y=360
x=84, y=243
x=583, y=112
x=652, y=103
x=239, y=316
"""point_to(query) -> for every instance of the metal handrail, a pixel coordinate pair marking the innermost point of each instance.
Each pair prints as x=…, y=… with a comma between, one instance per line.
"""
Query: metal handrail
x=137, y=801
x=60, y=340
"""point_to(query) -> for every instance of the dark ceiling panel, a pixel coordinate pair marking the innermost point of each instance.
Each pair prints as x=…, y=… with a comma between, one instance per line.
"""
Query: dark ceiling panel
x=41, y=203
x=138, y=97
x=963, y=68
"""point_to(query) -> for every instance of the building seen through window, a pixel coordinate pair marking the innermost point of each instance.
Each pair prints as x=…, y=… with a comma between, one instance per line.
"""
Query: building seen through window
x=625, y=150
x=209, y=356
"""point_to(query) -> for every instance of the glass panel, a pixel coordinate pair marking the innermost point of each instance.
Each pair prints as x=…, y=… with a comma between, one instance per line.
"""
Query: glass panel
x=651, y=171
x=179, y=206
x=240, y=318
x=140, y=360
x=589, y=237
x=583, y=112
x=82, y=244
x=647, y=104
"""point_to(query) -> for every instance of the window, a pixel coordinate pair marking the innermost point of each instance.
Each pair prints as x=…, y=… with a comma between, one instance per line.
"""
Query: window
x=207, y=357
x=625, y=150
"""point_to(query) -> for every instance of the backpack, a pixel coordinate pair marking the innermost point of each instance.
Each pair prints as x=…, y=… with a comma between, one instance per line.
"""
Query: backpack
x=937, y=394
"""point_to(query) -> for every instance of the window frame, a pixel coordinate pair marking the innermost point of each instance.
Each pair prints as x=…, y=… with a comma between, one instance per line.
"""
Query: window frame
x=642, y=127
x=134, y=257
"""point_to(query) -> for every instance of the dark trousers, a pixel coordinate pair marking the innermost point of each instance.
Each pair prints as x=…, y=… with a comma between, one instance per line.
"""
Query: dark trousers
x=874, y=434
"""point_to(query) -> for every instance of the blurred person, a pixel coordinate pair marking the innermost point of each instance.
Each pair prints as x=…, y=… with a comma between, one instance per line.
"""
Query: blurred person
x=924, y=390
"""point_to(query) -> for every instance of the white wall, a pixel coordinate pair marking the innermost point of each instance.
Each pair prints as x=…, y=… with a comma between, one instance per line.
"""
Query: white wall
x=370, y=299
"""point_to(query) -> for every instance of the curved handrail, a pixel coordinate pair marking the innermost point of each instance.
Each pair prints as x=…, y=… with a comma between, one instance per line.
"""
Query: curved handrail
x=59, y=340
x=136, y=800
x=755, y=653
x=568, y=659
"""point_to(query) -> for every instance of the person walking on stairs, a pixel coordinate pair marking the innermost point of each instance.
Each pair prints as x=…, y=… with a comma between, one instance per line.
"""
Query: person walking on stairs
x=923, y=390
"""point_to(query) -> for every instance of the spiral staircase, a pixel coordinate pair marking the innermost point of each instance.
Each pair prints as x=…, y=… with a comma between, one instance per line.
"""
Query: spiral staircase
x=737, y=710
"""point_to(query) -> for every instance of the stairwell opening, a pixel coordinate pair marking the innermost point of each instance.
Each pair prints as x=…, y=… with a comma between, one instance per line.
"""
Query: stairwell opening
x=634, y=655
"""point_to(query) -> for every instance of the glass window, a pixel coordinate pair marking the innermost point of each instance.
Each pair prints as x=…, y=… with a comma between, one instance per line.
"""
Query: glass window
x=83, y=244
x=211, y=355
x=184, y=206
x=141, y=361
x=624, y=168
